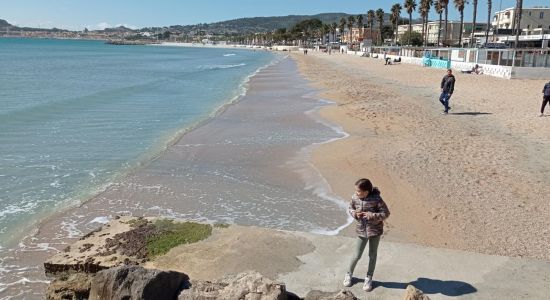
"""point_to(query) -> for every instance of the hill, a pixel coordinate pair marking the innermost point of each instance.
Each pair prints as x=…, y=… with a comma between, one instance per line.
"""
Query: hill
x=235, y=26
x=4, y=24
x=257, y=24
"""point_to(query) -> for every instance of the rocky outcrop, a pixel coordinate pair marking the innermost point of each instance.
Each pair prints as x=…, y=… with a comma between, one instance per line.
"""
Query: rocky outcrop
x=96, y=251
x=412, y=293
x=125, y=241
x=137, y=283
x=70, y=287
x=250, y=285
x=341, y=295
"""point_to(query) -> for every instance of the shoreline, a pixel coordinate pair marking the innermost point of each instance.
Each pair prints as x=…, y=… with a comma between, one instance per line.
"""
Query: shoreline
x=47, y=238
x=211, y=46
x=142, y=160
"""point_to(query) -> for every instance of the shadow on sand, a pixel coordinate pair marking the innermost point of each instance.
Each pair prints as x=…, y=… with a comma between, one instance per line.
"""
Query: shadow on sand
x=449, y=288
x=470, y=113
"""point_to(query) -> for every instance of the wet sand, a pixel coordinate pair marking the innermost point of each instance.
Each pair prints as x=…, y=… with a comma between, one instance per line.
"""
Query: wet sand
x=248, y=166
x=476, y=179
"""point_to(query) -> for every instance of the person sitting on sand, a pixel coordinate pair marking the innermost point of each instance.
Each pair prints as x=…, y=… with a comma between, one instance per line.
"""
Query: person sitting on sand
x=447, y=89
x=545, y=97
x=477, y=70
x=370, y=211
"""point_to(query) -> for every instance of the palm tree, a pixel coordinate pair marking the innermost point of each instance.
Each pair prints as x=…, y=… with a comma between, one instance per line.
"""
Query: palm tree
x=439, y=9
x=425, y=6
x=423, y=15
x=410, y=6
x=489, y=8
x=445, y=4
x=351, y=22
x=333, y=28
x=325, y=30
x=517, y=17
x=474, y=4
x=459, y=5
x=395, y=15
x=360, y=25
x=370, y=20
x=380, y=19
x=342, y=27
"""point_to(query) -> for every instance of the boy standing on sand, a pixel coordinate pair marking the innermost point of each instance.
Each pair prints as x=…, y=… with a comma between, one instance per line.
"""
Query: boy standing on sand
x=370, y=211
x=545, y=98
x=447, y=89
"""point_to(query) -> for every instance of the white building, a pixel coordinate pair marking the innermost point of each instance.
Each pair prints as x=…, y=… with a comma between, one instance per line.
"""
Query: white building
x=453, y=31
x=534, y=20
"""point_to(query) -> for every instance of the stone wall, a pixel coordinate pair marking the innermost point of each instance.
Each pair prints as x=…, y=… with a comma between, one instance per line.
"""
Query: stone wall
x=285, y=48
x=491, y=70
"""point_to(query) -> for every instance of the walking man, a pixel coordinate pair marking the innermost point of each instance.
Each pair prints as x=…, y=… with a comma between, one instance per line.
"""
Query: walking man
x=447, y=89
x=545, y=98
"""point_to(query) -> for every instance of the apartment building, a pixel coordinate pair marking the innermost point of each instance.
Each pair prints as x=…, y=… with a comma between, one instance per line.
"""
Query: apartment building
x=453, y=31
x=534, y=20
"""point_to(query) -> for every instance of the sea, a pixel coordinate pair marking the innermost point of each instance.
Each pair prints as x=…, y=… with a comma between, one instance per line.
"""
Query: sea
x=89, y=131
x=76, y=114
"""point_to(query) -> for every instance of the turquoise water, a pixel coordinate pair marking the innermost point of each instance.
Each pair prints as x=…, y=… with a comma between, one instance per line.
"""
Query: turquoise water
x=74, y=115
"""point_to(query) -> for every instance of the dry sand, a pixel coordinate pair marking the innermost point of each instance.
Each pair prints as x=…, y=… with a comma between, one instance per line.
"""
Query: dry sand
x=477, y=179
x=234, y=250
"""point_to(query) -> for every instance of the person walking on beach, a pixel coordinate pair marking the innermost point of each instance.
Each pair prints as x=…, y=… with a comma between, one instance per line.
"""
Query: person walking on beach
x=447, y=89
x=370, y=211
x=545, y=98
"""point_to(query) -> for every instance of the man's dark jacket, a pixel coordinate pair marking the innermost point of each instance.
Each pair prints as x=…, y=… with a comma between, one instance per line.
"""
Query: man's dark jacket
x=448, y=84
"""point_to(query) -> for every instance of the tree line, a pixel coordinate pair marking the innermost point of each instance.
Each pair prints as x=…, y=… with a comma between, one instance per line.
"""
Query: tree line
x=312, y=30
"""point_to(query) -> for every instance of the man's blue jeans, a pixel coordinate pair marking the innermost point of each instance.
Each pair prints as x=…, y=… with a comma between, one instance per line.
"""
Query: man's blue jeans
x=444, y=99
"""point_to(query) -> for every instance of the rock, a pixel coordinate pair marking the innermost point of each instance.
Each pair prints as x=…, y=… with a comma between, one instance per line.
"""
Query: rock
x=133, y=282
x=341, y=295
x=52, y=268
x=92, y=253
x=247, y=285
x=412, y=293
x=71, y=287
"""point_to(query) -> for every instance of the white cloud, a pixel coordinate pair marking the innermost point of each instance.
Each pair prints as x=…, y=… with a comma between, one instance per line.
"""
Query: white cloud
x=101, y=26
x=127, y=26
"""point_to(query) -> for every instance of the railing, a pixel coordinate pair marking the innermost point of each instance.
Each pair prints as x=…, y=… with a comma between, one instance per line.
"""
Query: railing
x=531, y=58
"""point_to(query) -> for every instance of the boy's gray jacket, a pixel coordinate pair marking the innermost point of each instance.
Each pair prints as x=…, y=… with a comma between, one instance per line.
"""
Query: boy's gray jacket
x=373, y=203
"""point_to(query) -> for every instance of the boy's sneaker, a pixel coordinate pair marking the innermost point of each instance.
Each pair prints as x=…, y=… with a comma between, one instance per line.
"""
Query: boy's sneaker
x=541, y=115
x=347, y=280
x=367, y=286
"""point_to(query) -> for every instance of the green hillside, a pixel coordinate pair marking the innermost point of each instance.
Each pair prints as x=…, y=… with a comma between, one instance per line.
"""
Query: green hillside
x=259, y=24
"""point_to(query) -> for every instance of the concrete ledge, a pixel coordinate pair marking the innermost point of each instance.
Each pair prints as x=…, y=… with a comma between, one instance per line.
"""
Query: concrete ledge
x=306, y=261
x=440, y=273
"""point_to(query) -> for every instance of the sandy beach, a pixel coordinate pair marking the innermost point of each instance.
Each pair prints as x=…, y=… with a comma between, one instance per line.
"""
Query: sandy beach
x=476, y=179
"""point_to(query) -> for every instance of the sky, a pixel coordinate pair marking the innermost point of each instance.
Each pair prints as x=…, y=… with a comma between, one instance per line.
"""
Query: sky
x=98, y=14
